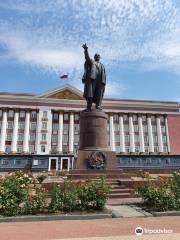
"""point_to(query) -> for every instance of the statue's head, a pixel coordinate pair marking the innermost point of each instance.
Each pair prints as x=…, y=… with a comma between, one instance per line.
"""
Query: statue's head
x=97, y=57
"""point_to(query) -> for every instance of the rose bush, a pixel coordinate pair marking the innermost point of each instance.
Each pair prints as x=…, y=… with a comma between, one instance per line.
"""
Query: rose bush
x=21, y=193
x=162, y=194
x=80, y=195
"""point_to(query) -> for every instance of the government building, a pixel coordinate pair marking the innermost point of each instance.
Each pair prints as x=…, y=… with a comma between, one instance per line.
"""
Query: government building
x=44, y=130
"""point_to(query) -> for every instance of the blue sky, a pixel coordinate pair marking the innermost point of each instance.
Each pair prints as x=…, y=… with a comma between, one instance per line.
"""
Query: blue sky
x=139, y=41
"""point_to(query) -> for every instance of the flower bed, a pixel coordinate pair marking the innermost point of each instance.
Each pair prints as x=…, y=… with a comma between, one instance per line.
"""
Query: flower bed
x=21, y=193
x=162, y=194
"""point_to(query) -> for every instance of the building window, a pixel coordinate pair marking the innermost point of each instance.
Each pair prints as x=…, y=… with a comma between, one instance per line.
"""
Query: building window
x=9, y=137
x=11, y=113
x=43, y=148
x=154, y=128
x=66, y=116
x=136, y=148
x=54, y=149
x=54, y=138
x=134, y=117
x=76, y=117
x=127, y=149
x=44, y=125
x=76, y=148
x=145, y=128
x=153, y=119
x=20, y=137
x=33, y=126
x=162, y=119
x=45, y=114
x=8, y=149
x=146, y=139
x=31, y=148
x=17, y=161
x=163, y=129
x=32, y=137
x=126, y=128
x=65, y=149
x=126, y=137
x=155, y=139
x=156, y=149
x=43, y=137
x=136, y=138
x=76, y=127
x=22, y=114
x=143, y=118
x=66, y=127
x=33, y=114
x=55, y=126
x=65, y=138
x=55, y=116
x=35, y=162
x=146, y=148
x=19, y=148
x=116, y=117
x=164, y=139
x=125, y=117
x=76, y=138
x=116, y=127
x=136, y=128
x=4, y=162
x=117, y=138
x=165, y=149
x=21, y=125
x=10, y=125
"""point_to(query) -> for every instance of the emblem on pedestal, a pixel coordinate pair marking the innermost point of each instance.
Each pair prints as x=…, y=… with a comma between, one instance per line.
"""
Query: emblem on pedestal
x=96, y=160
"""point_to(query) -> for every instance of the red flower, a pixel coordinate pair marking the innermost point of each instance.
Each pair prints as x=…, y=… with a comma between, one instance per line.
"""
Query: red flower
x=162, y=179
x=30, y=196
x=79, y=182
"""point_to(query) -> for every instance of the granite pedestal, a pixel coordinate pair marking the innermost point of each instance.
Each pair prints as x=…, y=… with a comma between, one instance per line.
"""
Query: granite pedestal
x=94, y=138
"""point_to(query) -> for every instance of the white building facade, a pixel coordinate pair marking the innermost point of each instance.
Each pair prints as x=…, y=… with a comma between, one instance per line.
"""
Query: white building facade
x=45, y=129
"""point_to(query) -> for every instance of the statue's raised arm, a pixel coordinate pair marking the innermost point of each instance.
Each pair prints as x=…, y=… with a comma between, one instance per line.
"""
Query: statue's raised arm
x=86, y=54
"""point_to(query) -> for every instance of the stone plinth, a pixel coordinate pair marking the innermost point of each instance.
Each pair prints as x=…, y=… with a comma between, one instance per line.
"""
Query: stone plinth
x=93, y=130
x=93, y=138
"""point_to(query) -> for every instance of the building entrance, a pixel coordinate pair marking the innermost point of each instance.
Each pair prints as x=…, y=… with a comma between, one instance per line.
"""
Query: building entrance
x=53, y=164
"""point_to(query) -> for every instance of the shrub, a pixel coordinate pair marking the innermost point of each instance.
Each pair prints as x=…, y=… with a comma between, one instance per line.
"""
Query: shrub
x=35, y=202
x=18, y=195
x=79, y=195
x=41, y=178
x=161, y=195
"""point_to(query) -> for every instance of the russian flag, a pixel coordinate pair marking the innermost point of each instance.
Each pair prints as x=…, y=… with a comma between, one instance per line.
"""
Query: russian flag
x=64, y=76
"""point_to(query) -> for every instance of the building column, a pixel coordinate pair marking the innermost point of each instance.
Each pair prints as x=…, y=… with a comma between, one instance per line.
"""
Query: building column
x=150, y=135
x=167, y=134
x=60, y=133
x=159, y=134
x=131, y=134
x=71, y=133
x=141, y=134
x=26, y=133
x=111, y=133
x=3, y=132
x=15, y=133
x=122, y=141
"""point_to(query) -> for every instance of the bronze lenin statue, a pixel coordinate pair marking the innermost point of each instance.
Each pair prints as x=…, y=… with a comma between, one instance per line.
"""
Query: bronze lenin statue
x=94, y=80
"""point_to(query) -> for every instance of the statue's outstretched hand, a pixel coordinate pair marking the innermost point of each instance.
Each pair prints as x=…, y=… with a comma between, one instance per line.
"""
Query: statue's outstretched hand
x=85, y=46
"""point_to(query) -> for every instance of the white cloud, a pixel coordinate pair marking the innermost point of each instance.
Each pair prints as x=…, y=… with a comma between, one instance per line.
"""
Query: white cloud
x=48, y=34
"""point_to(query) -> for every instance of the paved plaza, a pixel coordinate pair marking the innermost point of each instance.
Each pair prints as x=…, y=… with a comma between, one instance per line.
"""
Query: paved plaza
x=119, y=228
